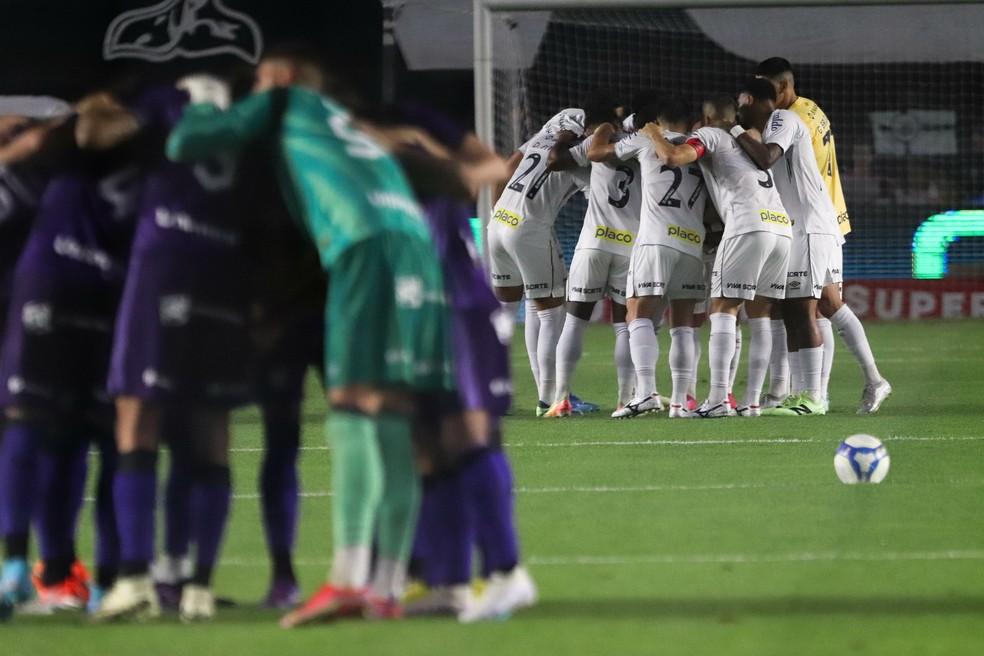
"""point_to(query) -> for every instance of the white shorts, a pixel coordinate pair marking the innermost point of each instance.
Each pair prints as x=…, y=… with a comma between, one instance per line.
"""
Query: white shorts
x=707, y=260
x=595, y=274
x=750, y=265
x=531, y=260
x=657, y=270
x=814, y=262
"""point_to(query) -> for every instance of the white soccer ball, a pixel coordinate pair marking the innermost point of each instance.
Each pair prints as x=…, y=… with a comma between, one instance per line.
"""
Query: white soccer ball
x=861, y=459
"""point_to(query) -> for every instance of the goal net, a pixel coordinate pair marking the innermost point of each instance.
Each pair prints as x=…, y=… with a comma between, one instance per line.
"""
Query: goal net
x=901, y=84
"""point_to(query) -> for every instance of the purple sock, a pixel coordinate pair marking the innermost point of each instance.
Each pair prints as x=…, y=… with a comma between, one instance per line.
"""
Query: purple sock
x=451, y=535
x=18, y=462
x=107, y=537
x=210, y=499
x=60, y=487
x=177, y=506
x=279, y=488
x=488, y=485
x=427, y=519
x=135, y=496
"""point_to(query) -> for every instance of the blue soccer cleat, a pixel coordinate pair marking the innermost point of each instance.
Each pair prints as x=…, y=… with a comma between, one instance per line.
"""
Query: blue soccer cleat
x=582, y=407
x=15, y=586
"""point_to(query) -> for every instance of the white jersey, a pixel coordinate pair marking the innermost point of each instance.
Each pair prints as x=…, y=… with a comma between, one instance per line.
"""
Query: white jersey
x=672, y=199
x=614, y=201
x=534, y=195
x=800, y=186
x=745, y=197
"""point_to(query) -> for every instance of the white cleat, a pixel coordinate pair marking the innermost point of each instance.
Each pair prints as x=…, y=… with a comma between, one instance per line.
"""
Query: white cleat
x=749, y=411
x=874, y=396
x=197, y=604
x=722, y=409
x=504, y=595
x=442, y=601
x=132, y=597
x=677, y=411
x=771, y=401
x=638, y=407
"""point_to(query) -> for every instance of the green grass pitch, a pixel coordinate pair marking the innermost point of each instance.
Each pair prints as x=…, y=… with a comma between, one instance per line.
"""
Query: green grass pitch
x=657, y=537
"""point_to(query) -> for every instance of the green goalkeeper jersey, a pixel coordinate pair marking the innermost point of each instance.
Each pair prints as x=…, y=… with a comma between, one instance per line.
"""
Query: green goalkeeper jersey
x=335, y=177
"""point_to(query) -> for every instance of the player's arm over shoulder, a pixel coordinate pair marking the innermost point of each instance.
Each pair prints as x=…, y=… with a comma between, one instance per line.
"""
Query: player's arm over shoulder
x=205, y=130
x=677, y=154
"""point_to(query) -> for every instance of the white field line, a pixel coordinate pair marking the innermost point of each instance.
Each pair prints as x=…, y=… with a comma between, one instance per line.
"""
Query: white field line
x=709, y=442
x=701, y=559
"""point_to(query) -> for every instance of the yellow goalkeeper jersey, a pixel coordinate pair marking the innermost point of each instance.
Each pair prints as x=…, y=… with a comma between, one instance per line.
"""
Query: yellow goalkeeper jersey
x=826, y=154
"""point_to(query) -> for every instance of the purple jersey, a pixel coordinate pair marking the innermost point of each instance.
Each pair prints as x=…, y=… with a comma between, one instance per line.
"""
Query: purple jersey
x=20, y=192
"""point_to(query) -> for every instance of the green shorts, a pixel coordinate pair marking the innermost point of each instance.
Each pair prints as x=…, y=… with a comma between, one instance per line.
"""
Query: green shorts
x=386, y=316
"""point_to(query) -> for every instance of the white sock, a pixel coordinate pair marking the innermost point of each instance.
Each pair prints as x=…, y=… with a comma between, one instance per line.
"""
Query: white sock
x=720, y=351
x=681, y=362
x=510, y=310
x=532, y=329
x=568, y=354
x=795, y=372
x=735, y=359
x=624, y=370
x=779, y=361
x=850, y=329
x=350, y=567
x=692, y=388
x=827, y=332
x=551, y=325
x=759, y=352
x=389, y=579
x=644, y=348
x=811, y=359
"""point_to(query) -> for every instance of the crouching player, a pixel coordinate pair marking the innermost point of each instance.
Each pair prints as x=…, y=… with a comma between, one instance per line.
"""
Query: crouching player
x=387, y=338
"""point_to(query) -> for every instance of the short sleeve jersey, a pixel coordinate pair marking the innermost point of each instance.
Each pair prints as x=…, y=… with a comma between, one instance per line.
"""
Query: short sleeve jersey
x=534, y=195
x=797, y=178
x=673, y=199
x=745, y=197
x=611, y=222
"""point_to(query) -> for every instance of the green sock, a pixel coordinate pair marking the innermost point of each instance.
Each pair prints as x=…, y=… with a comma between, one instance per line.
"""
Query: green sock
x=356, y=477
x=401, y=489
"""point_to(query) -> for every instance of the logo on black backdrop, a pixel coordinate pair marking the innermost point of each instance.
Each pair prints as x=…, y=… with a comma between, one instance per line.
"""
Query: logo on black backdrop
x=183, y=28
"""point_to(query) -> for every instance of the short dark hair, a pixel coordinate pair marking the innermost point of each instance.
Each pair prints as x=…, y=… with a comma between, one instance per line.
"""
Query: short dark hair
x=302, y=54
x=722, y=103
x=759, y=89
x=774, y=67
x=599, y=107
x=645, y=107
x=675, y=110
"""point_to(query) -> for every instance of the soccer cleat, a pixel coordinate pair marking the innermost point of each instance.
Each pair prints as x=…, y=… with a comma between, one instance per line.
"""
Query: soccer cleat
x=749, y=411
x=442, y=601
x=582, y=407
x=169, y=595
x=197, y=604
x=797, y=406
x=72, y=593
x=874, y=396
x=771, y=401
x=707, y=411
x=732, y=401
x=96, y=595
x=132, y=597
x=677, y=411
x=505, y=594
x=382, y=608
x=541, y=408
x=15, y=586
x=560, y=409
x=638, y=407
x=326, y=604
x=691, y=403
x=283, y=595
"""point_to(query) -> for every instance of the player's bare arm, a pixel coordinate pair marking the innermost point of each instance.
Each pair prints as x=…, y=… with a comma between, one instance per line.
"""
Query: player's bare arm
x=674, y=155
x=602, y=147
x=103, y=122
x=764, y=155
x=511, y=165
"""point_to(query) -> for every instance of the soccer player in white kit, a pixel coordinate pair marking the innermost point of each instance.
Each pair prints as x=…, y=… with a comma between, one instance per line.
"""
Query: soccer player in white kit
x=666, y=264
x=601, y=258
x=815, y=258
x=751, y=261
x=524, y=254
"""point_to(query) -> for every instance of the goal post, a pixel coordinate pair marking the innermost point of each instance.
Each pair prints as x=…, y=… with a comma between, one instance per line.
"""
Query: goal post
x=902, y=82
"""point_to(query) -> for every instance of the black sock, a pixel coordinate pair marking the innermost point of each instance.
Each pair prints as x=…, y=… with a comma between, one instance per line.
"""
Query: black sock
x=134, y=568
x=283, y=566
x=56, y=570
x=106, y=576
x=15, y=545
x=202, y=576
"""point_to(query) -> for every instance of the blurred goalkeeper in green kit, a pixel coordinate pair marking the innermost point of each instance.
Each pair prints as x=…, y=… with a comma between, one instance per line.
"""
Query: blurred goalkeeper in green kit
x=386, y=339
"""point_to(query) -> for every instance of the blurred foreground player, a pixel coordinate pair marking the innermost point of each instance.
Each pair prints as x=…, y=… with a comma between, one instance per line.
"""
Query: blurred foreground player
x=386, y=334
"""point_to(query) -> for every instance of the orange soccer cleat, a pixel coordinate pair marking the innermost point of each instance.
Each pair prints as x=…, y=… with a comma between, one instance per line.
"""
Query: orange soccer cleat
x=71, y=593
x=327, y=604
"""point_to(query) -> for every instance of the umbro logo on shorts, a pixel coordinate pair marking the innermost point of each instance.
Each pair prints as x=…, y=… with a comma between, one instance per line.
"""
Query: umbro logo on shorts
x=794, y=285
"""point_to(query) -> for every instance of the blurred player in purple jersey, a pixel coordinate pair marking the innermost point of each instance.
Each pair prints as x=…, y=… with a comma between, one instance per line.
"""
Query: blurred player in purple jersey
x=468, y=496
x=179, y=350
x=56, y=350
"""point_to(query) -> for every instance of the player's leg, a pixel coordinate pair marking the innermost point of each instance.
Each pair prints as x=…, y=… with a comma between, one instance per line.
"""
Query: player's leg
x=507, y=283
x=18, y=463
x=624, y=371
x=849, y=327
x=778, y=361
x=173, y=566
x=735, y=360
x=827, y=334
x=681, y=354
x=759, y=352
x=700, y=317
x=544, y=276
x=107, y=542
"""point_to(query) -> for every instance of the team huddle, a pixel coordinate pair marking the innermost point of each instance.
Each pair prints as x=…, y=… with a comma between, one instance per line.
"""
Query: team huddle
x=737, y=214
x=172, y=256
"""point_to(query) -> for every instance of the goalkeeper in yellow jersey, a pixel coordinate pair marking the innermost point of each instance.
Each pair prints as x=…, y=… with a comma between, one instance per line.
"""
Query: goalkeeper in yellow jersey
x=876, y=389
